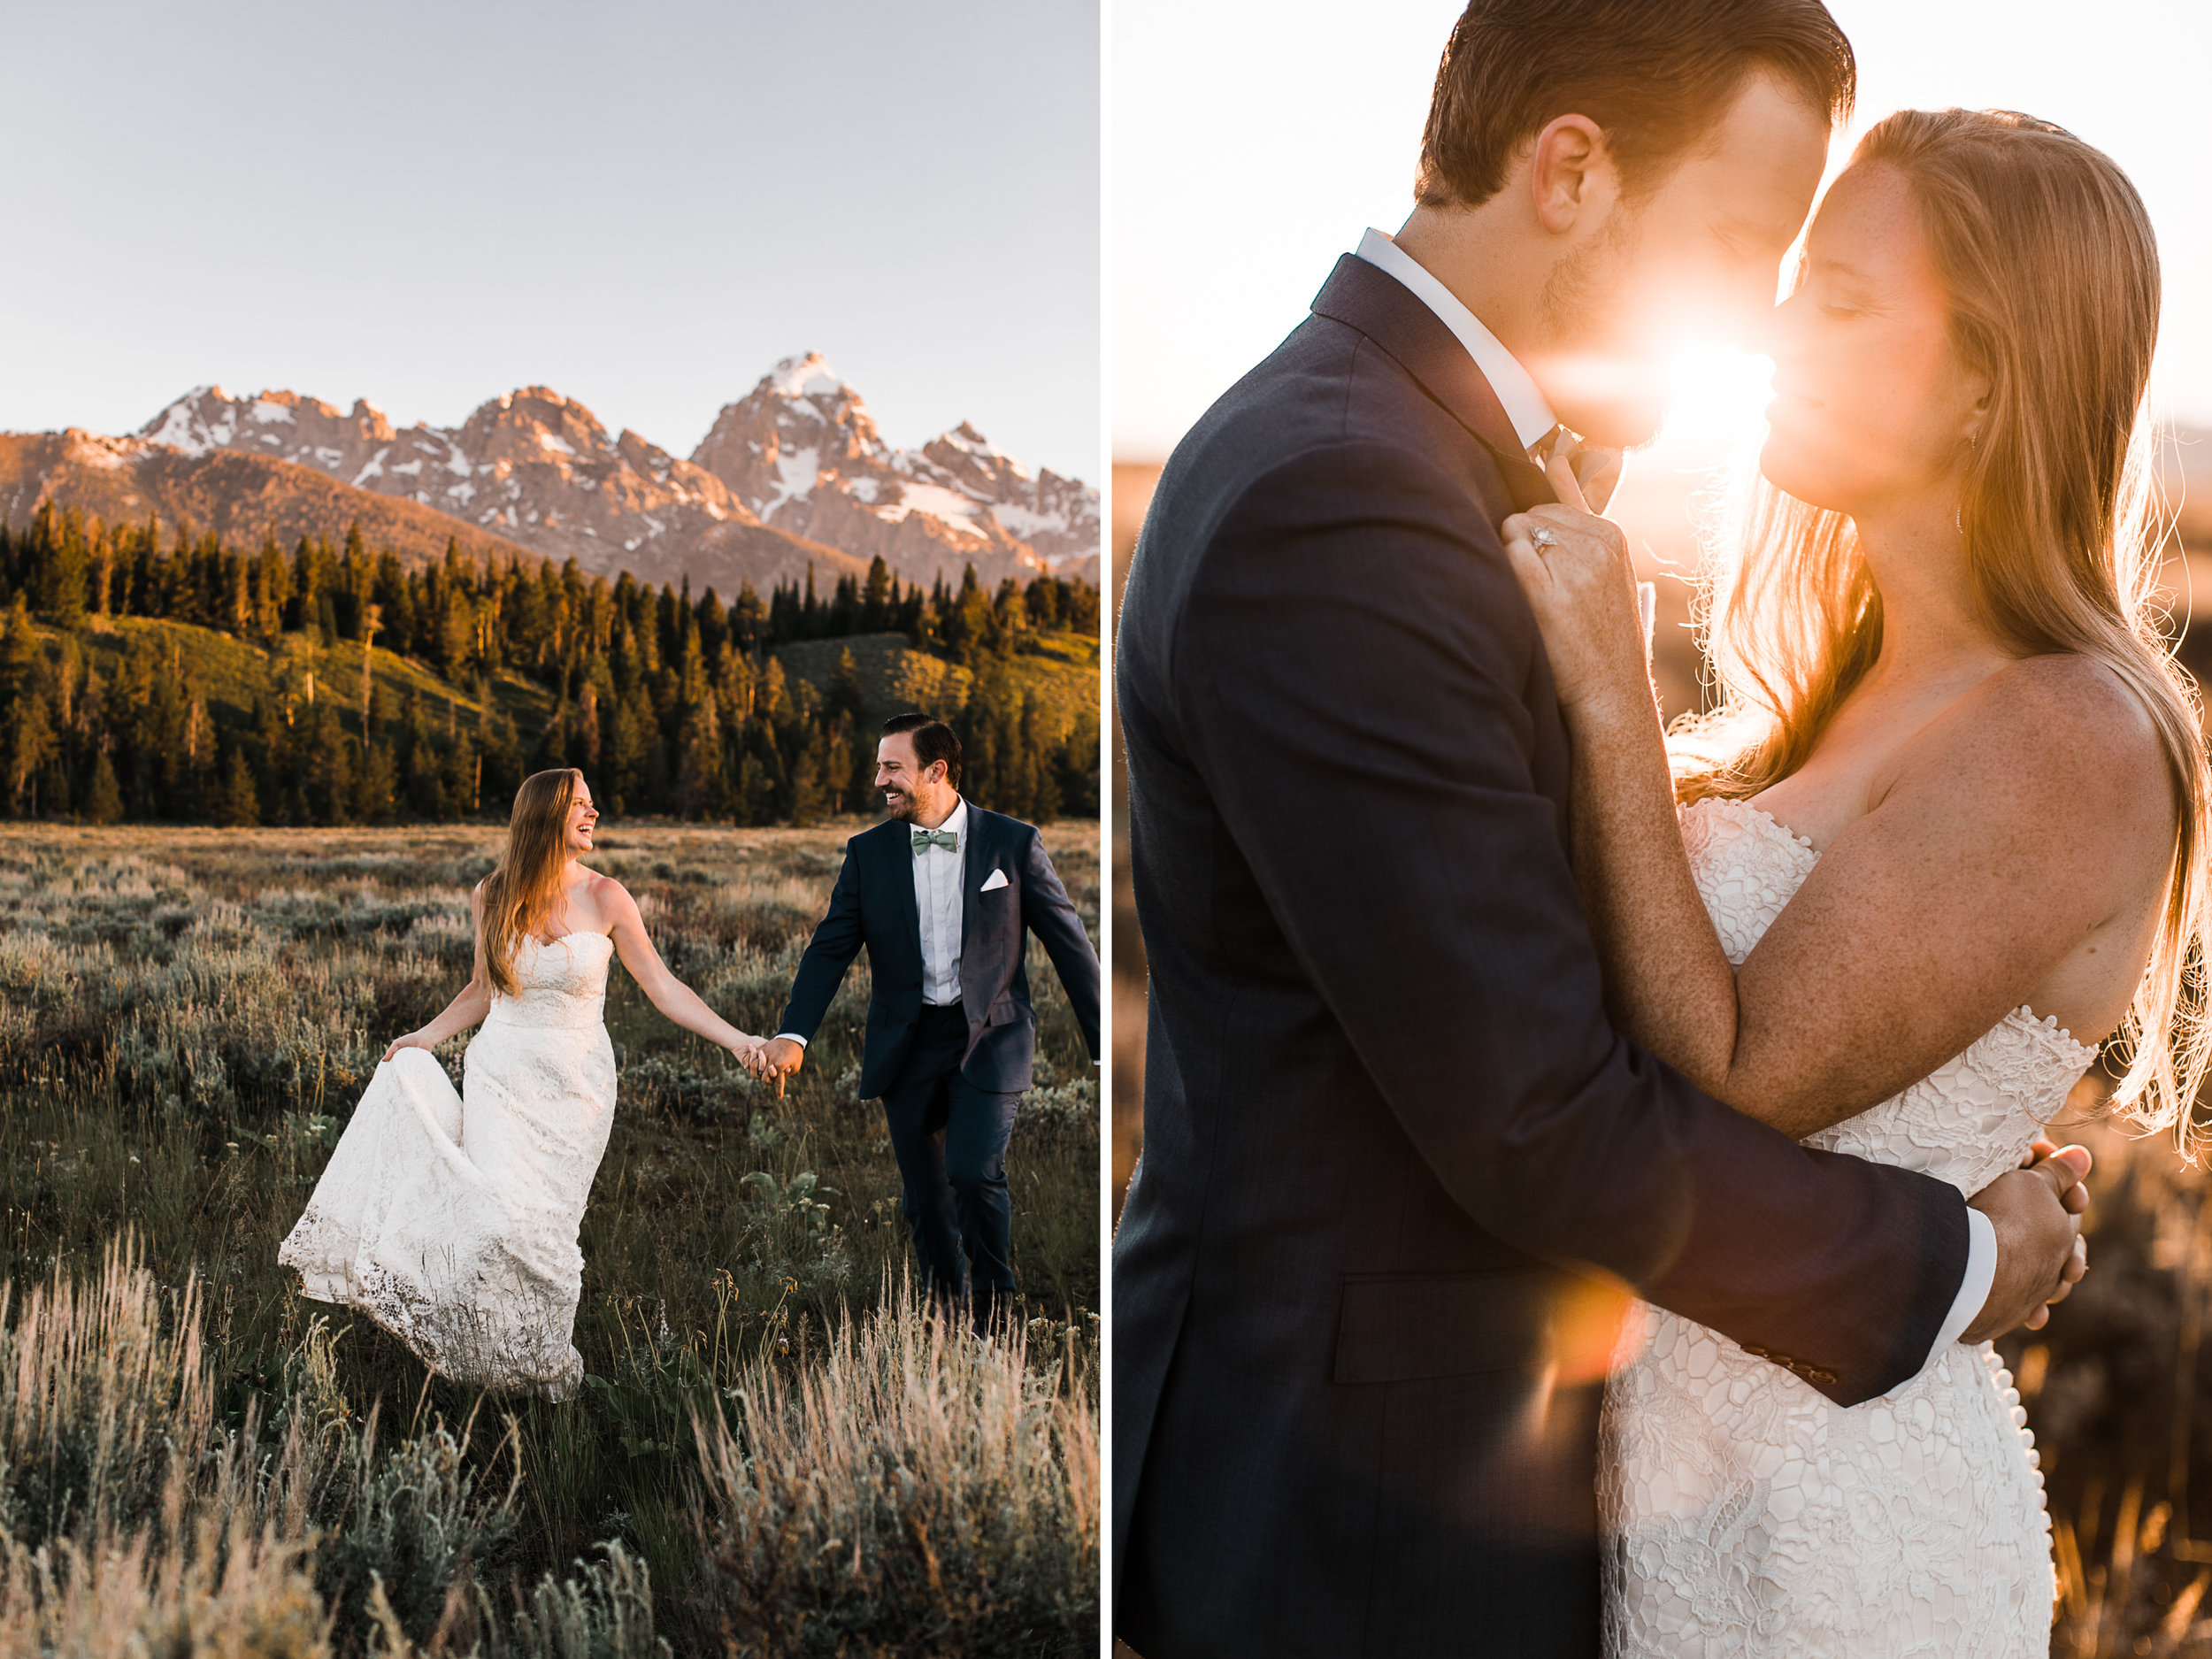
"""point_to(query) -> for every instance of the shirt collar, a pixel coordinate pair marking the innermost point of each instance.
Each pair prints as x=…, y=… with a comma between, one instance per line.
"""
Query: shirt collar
x=1524, y=405
x=957, y=820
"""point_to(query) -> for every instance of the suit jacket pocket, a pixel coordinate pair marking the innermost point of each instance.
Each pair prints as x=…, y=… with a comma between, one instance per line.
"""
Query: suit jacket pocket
x=1005, y=1011
x=1404, y=1327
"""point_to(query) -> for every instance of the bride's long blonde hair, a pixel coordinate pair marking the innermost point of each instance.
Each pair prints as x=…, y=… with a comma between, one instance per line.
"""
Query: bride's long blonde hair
x=2051, y=271
x=520, y=893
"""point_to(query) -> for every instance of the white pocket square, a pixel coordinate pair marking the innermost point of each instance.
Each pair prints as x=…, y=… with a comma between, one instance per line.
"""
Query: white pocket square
x=997, y=880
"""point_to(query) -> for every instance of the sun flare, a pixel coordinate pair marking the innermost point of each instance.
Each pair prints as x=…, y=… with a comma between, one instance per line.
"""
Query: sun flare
x=1719, y=399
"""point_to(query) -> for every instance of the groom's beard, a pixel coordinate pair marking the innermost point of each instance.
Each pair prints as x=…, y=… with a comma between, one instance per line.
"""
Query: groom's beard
x=901, y=808
x=1604, y=387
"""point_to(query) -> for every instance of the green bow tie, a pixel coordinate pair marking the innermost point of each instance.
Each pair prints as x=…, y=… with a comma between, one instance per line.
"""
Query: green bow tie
x=945, y=838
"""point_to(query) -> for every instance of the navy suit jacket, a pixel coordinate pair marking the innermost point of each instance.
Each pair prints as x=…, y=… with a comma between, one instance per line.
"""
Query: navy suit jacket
x=1390, y=1142
x=873, y=905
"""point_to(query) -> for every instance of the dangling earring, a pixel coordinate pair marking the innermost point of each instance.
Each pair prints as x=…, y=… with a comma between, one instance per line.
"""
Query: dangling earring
x=1958, y=514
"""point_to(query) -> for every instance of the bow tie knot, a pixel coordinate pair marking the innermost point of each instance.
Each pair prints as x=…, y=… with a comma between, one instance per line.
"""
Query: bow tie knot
x=925, y=838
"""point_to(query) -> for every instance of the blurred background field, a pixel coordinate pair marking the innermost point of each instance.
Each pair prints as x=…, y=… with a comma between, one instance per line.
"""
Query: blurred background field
x=774, y=1453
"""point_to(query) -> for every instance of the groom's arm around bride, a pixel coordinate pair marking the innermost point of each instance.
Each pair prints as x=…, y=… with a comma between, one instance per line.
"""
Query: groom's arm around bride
x=1389, y=1130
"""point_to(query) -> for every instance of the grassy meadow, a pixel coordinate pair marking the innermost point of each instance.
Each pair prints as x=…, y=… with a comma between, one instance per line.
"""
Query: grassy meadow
x=774, y=1452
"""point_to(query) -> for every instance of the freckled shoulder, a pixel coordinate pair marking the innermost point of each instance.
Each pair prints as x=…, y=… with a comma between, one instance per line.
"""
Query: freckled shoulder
x=2080, y=711
x=2064, y=732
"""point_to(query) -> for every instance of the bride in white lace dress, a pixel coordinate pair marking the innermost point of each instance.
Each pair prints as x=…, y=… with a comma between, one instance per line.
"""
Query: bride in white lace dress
x=1947, y=829
x=451, y=1219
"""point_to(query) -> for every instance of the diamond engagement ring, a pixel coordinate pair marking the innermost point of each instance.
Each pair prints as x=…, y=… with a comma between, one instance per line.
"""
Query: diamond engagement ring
x=1544, y=538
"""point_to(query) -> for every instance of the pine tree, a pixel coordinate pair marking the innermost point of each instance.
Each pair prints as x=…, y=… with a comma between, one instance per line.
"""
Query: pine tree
x=328, y=786
x=375, y=786
x=969, y=627
x=58, y=567
x=876, y=597
x=845, y=696
x=1040, y=788
x=236, y=804
x=587, y=734
x=1075, y=768
x=682, y=700
x=28, y=738
x=104, y=799
x=272, y=744
x=699, y=761
x=810, y=778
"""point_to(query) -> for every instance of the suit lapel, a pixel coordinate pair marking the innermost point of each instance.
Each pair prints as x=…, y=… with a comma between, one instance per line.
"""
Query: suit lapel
x=1379, y=305
x=898, y=842
x=973, y=857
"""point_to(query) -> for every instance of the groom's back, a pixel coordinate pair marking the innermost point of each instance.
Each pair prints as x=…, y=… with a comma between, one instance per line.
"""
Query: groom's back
x=1308, y=1328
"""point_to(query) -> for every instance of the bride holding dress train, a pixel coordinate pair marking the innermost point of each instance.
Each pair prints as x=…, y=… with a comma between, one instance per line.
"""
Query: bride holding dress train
x=451, y=1219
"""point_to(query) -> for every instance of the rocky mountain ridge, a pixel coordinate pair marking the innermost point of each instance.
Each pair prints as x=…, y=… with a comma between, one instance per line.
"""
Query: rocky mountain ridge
x=794, y=472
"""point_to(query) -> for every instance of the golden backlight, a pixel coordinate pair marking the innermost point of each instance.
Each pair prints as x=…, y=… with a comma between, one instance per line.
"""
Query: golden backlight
x=1719, y=399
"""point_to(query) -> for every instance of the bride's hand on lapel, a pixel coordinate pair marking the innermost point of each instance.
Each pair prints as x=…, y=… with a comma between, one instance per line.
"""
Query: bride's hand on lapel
x=1573, y=567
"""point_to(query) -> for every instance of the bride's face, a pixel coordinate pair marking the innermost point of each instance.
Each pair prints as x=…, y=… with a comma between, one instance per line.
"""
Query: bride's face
x=1872, y=405
x=582, y=816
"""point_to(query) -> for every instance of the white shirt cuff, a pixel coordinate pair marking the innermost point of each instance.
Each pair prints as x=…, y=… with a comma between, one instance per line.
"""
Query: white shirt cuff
x=793, y=1036
x=1981, y=1273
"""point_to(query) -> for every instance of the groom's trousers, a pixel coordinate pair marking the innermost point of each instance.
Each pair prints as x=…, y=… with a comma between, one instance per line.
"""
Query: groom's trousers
x=950, y=1138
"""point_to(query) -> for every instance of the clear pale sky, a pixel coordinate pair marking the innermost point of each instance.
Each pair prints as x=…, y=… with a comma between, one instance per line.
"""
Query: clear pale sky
x=641, y=205
x=1251, y=146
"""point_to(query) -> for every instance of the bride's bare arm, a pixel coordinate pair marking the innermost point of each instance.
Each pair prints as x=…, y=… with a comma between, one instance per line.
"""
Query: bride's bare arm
x=675, y=999
x=469, y=1007
x=2032, y=814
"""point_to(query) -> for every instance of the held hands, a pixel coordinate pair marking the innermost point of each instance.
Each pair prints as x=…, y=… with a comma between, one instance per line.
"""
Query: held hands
x=2036, y=1210
x=771, y=1061
x=751, y=1052
x=782, y=1058
x=1581, y=585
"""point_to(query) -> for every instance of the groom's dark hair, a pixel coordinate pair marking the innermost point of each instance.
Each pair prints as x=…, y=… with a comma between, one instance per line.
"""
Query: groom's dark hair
x=933, y=741
x=1655, y=75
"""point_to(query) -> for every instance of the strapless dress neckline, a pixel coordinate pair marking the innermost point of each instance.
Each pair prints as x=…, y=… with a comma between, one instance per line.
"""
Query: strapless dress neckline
x=1765, y=824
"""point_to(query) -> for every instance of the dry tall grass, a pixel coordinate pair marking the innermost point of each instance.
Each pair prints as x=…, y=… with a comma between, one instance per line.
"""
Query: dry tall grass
x=187, y=1017
x=2117, y=1392
x=913, y=1470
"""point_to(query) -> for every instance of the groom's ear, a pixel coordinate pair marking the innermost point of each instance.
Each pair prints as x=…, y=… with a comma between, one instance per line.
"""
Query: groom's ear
x=1573, y=181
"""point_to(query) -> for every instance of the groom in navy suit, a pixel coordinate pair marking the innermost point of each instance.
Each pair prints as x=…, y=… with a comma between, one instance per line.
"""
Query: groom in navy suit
x=941, y=894
x=1388, y=1128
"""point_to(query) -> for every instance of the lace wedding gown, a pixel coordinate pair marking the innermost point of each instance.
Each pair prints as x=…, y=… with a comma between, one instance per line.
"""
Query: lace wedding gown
x=1748, y=1515
x=451, y=1219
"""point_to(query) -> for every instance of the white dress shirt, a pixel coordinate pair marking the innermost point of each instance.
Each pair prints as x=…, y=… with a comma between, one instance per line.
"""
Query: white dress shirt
x=1531, y=413
x=937, y=900
x=1524, y=404
x=937, y=871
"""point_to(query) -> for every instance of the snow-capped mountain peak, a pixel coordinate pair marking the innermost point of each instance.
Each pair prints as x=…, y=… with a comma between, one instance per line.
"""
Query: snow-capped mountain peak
x=809, y=376
x=800, y=455
x=803, y=451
